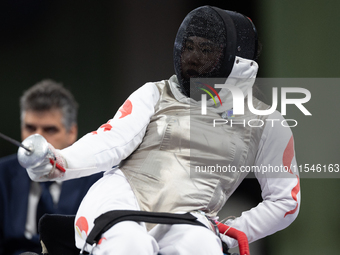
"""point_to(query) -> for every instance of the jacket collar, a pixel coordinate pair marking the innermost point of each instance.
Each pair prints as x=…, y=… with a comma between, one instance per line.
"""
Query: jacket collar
x=242, y=76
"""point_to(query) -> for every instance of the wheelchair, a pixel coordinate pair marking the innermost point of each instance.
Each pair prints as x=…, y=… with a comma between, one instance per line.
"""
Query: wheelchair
x=57, y=231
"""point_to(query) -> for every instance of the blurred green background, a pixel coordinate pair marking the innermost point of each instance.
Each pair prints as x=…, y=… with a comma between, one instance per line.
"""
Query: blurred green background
x=301, y=40
x=103, y=51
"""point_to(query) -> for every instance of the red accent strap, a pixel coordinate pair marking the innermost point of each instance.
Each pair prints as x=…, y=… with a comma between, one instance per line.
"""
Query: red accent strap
x=236, y=234
x=59, y=167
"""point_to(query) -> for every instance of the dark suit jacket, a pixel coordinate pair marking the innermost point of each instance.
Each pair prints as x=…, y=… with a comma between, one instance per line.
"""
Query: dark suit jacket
x=14, y=191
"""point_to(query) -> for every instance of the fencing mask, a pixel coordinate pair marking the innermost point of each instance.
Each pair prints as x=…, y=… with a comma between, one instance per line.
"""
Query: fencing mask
x=207, y=42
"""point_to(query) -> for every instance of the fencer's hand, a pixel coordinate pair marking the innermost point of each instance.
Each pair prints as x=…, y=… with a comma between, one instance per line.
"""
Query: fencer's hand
x=51, y=168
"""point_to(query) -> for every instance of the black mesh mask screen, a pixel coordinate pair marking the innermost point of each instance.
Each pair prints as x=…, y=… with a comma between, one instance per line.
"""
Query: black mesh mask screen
x=246, y=36
x=206, y=44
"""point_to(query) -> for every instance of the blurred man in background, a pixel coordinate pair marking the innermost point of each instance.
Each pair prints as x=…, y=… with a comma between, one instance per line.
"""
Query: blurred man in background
x=50, y=110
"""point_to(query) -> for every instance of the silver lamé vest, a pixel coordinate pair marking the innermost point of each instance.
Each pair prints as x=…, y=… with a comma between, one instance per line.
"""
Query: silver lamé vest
x=182, y=163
